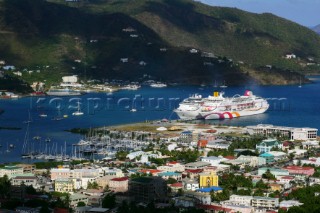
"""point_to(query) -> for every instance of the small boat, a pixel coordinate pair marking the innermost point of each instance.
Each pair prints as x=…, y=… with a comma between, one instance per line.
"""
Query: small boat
x=133, y=110
x=11, y=146
x=43, y=115
x=48, y=140
x=158, y=85
x=36, y=137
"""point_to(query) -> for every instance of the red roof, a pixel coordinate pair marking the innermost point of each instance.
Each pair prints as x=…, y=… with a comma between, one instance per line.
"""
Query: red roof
x=214, y=207
x=172, y=162
x=60, y=210
x=298, y=168
x=230, y=157
x=176, y=185
x=287, y=177
x=120, y=179
x=194, y=170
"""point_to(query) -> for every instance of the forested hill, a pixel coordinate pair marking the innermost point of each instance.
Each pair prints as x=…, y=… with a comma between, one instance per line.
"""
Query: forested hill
x=89, y=38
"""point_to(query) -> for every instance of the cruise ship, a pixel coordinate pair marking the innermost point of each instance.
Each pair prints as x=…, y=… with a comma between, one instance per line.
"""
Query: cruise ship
x=219, y=107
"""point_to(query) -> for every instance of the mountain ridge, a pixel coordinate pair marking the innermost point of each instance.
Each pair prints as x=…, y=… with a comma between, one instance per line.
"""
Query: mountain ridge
x=37, y=34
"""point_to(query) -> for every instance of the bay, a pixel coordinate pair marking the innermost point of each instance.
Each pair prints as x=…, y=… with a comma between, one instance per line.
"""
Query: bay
x=289, y=106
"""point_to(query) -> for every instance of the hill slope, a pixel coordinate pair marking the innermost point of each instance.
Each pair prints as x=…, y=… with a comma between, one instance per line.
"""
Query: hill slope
x=316, y=29
x=50, y=36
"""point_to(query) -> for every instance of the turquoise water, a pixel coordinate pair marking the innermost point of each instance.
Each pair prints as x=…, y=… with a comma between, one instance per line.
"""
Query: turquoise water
x=289, y=106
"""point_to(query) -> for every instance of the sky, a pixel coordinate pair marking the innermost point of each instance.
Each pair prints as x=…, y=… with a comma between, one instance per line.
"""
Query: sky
x=304, y=12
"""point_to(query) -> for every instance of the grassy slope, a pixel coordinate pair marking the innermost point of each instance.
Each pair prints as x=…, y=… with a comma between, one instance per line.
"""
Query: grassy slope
x=36, y=33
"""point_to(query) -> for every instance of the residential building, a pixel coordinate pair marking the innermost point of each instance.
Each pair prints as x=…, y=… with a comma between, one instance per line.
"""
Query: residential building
x=27, y=168
x=119, y=184
x=278, y=155
x=11, y=171
x=291, y=132
x=148, y=189
x=208, y=179
x=64, y=185
x=202, y=197
x=268, y=144
x=60, y=173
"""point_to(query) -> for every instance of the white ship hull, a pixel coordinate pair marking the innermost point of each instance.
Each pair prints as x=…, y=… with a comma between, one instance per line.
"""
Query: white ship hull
x=218, y=107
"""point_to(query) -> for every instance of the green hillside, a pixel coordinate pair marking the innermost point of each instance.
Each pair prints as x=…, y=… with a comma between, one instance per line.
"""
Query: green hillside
x=47, y=37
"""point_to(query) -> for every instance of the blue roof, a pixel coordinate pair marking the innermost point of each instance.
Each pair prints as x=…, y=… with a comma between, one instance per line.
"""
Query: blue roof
x=186, y=132
x=209, y=189
x=168, y=174
x=266, y=154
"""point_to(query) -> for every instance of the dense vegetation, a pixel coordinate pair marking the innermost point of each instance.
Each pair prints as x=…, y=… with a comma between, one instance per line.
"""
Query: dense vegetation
x=55, y=38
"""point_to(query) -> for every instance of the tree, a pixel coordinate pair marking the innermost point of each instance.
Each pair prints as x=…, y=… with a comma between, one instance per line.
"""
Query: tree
x=171, y=181
x=268, y=175
x=93, y=185
x=109, y=201
x=121, y=155
x=81, y=203
x=4, y=187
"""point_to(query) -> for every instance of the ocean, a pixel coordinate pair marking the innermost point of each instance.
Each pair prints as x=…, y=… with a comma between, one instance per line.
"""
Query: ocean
x=289, y=106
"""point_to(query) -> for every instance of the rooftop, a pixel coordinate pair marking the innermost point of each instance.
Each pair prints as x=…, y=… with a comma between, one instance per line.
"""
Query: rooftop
x=210, y=189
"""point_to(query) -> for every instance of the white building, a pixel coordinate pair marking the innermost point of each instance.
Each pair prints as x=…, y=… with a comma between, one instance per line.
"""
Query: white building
x=291, y=56
x=70, y=79
x=289, y=203
x=265, y=202
x=11, y=171
x=292, y=133
x=189, y=184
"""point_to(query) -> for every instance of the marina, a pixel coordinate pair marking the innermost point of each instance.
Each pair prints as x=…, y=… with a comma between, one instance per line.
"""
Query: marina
x=287, y=104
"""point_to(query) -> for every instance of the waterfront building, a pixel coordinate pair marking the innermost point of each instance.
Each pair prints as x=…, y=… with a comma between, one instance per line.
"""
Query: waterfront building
x=11, y=171
x=208, y=179
x=290, y=132
x=148, y=189
x=268, y=144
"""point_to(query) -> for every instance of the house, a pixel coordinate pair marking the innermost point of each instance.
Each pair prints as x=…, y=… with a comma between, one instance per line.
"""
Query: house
x=119, y=184
x=278, y=155
x=268, y=157
x=172, y=167
x=64, y=185
x=267, y=144
x=291, y=56
x=275, y=187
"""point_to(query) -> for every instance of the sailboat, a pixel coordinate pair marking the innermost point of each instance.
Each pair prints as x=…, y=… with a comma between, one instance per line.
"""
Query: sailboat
x=215, y=84
x=224, y=85
x=29, y=119
x=58, y=117
x=300, y=83
x=78, y=112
